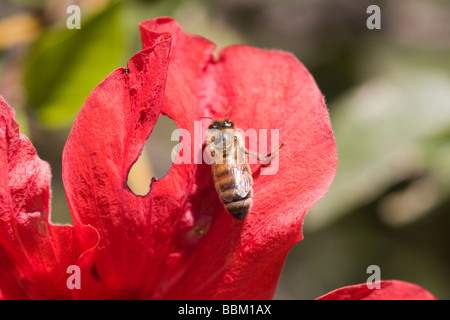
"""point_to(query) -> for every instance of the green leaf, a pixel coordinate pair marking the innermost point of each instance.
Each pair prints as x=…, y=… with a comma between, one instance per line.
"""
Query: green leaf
x=65, y=65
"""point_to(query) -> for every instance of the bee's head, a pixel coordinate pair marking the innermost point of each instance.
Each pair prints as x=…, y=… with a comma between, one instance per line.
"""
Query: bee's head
x=219, y=124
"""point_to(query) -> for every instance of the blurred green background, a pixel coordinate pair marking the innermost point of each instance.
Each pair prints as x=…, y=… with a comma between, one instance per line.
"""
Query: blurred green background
x=387, y=90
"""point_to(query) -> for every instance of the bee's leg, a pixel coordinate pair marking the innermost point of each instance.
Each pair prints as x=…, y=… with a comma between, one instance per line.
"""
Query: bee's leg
x=267, y=156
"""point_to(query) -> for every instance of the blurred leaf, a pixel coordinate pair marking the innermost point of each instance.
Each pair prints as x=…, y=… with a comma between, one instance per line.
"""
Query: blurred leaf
x=28, y=3
x=392, y=128
x=65, y=65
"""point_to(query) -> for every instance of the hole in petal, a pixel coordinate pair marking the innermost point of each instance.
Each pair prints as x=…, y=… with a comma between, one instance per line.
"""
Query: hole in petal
x=155, y=159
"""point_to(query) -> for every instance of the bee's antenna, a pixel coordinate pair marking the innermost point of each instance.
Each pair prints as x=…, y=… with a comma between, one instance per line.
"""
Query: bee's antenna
x=228, y=111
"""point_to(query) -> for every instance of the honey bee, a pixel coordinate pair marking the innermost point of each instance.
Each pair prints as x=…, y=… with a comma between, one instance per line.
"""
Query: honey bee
x=233, y=179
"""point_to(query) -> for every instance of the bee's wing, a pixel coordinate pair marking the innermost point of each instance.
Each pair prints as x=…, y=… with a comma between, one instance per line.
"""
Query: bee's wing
x=238, y=185
x=243, y=176
x=243, y=181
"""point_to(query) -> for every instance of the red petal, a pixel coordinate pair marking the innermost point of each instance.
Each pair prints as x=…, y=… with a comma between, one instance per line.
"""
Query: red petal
x=265, y=89
x=389, y=290
x=106, y=139
x=178, y=241
x=135, y=232
x=34, y=255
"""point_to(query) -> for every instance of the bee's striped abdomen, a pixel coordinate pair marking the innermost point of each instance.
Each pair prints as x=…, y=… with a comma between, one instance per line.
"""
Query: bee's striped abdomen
x=234, y=186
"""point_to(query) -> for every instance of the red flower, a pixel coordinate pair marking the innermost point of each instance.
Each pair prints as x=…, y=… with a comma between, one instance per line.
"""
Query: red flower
x=177, y=242
x=389, y=290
